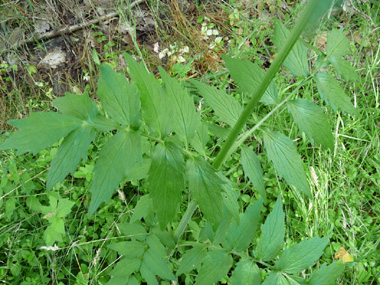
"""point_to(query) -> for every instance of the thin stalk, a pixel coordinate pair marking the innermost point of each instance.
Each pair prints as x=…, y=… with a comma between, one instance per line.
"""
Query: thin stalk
x=185, y=220
x=269, y=75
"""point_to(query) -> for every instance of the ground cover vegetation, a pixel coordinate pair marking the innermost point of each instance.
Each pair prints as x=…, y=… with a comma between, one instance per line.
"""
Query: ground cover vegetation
x=287, y=193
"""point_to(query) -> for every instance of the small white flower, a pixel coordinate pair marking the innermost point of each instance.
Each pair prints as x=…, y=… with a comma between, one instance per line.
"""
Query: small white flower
x=155, y=47
x=218, y=39
x=212, y=45
x=209, y=32
x=185, y=49
x=215, y=32
x=181, y=59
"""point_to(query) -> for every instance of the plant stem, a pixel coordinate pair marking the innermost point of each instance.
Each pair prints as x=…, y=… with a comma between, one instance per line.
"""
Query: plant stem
x=269, y=75
x=185, y=220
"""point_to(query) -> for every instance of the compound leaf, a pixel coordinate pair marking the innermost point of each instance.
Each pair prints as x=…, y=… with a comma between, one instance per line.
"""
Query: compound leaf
x=121, y=152
x=131, y=249
x=133, y=231
x=79, y=106
x=125, y=267
x=206, y=188
x=239, y=236
x=249, y=75
x=215, y=266
x=73, y=148
x=246, y=272
x=282, y=152
x=327, y=274
x=166, y=181
x=191, y=260
x=39, y=131
x=200, y=139
x=252, y=169
x=143, y=208
x=227, y=108
x=296, y=61
x=302, y=255
x=344, y=68
x=312, y=120
x=337, y=44
x=333, y=93
x=273, y=234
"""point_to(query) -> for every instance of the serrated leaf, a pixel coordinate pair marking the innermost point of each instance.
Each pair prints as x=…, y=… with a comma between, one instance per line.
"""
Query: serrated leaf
x=301, y=255
x=119, y=98
x=239, y=236
x=327, y=274
x=187, y=120
x=191, y=259
x=333, y=93
x=246, y=272
x=200, y=139
x=249, y=75
x=73, y=148
x=337, y=44
x=54, y=231
x=120, y=153
x=134, y=231
x=155, y=107
x=166, y=181
x=344, y=68
x=125, y=267
x=140, y=170
x=276, y=278
x=252, y=169
x=215, y=266
x=282, y=152
x=148, y=275
x=230, y=198
x=206, y=188
x=39, y=131
x=142, y=209
x=103, y=124
x=312, y=120
x=227, y=108
x=296, y=61
x=131, y=249
x=79, y=106
x=273, y=234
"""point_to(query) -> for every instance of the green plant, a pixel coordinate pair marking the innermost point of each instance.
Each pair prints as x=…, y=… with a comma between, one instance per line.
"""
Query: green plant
x=158, y=129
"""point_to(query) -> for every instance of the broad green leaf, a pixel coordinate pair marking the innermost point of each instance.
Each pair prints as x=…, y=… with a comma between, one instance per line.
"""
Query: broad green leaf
x=166, y=238
x=252, y=169
x=166, y=181
x=191, y=260
x=246, y=272
x=223, y=227
x=282, y=152
x=187, y=120
x=103, y=124
x=337, y=44
x=312, y=120
x=79, y=106
x=344, y=69
x=276, y=278
x=240, y=236
x=140, y=170
x=230, y=196
x=155, y=106
x=226, y=107
x=143, y=207
x=273, y=234
x=302, y=255
x=73, y=148
x=249, y=75
x=221, y=132
x=131, y=249
x=119, y=98
x=206, y=188
x=215, y=266
x=120, y=153
x=133, y=231
x=200, y=139
x=327, y=274
x=126, y=267
x=314, y=21
x=55, y=231
x=333, y=93
x=39, y=131
x=296, y=61
x=155, y=258
x=148, y=275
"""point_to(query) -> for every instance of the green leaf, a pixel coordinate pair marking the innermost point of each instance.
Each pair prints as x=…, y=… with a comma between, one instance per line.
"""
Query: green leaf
x=302, y=255
x=327, y=274
x=191, y=260
x=215, y=266
x=125, y=267
x=337, y=44
x=103, y=124
x=240, y=236
x=148, y=275
x=166, y=181
x=134, y=231
x=206, y=188
x=119, y=98
x=282, y=152
x=246, y=272
x=333, y=93
x=312, y=120
x=142, y=209
x=131, y=249
x=252, y=169
x=187, y=120
x=121, y=152
x=273, y=234
x=249, y=75
x=344, y=69
x=230, y=196
x=140, y=170
x=200, y=139
x=39, y=131
x=156, y=108
x=73, y=148
x=276, y=278
x=296, y=61
x=226, y=107
x=79, y=106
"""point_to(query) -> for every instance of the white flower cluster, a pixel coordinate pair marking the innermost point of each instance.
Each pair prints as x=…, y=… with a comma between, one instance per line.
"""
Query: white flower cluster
x=176, y=54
